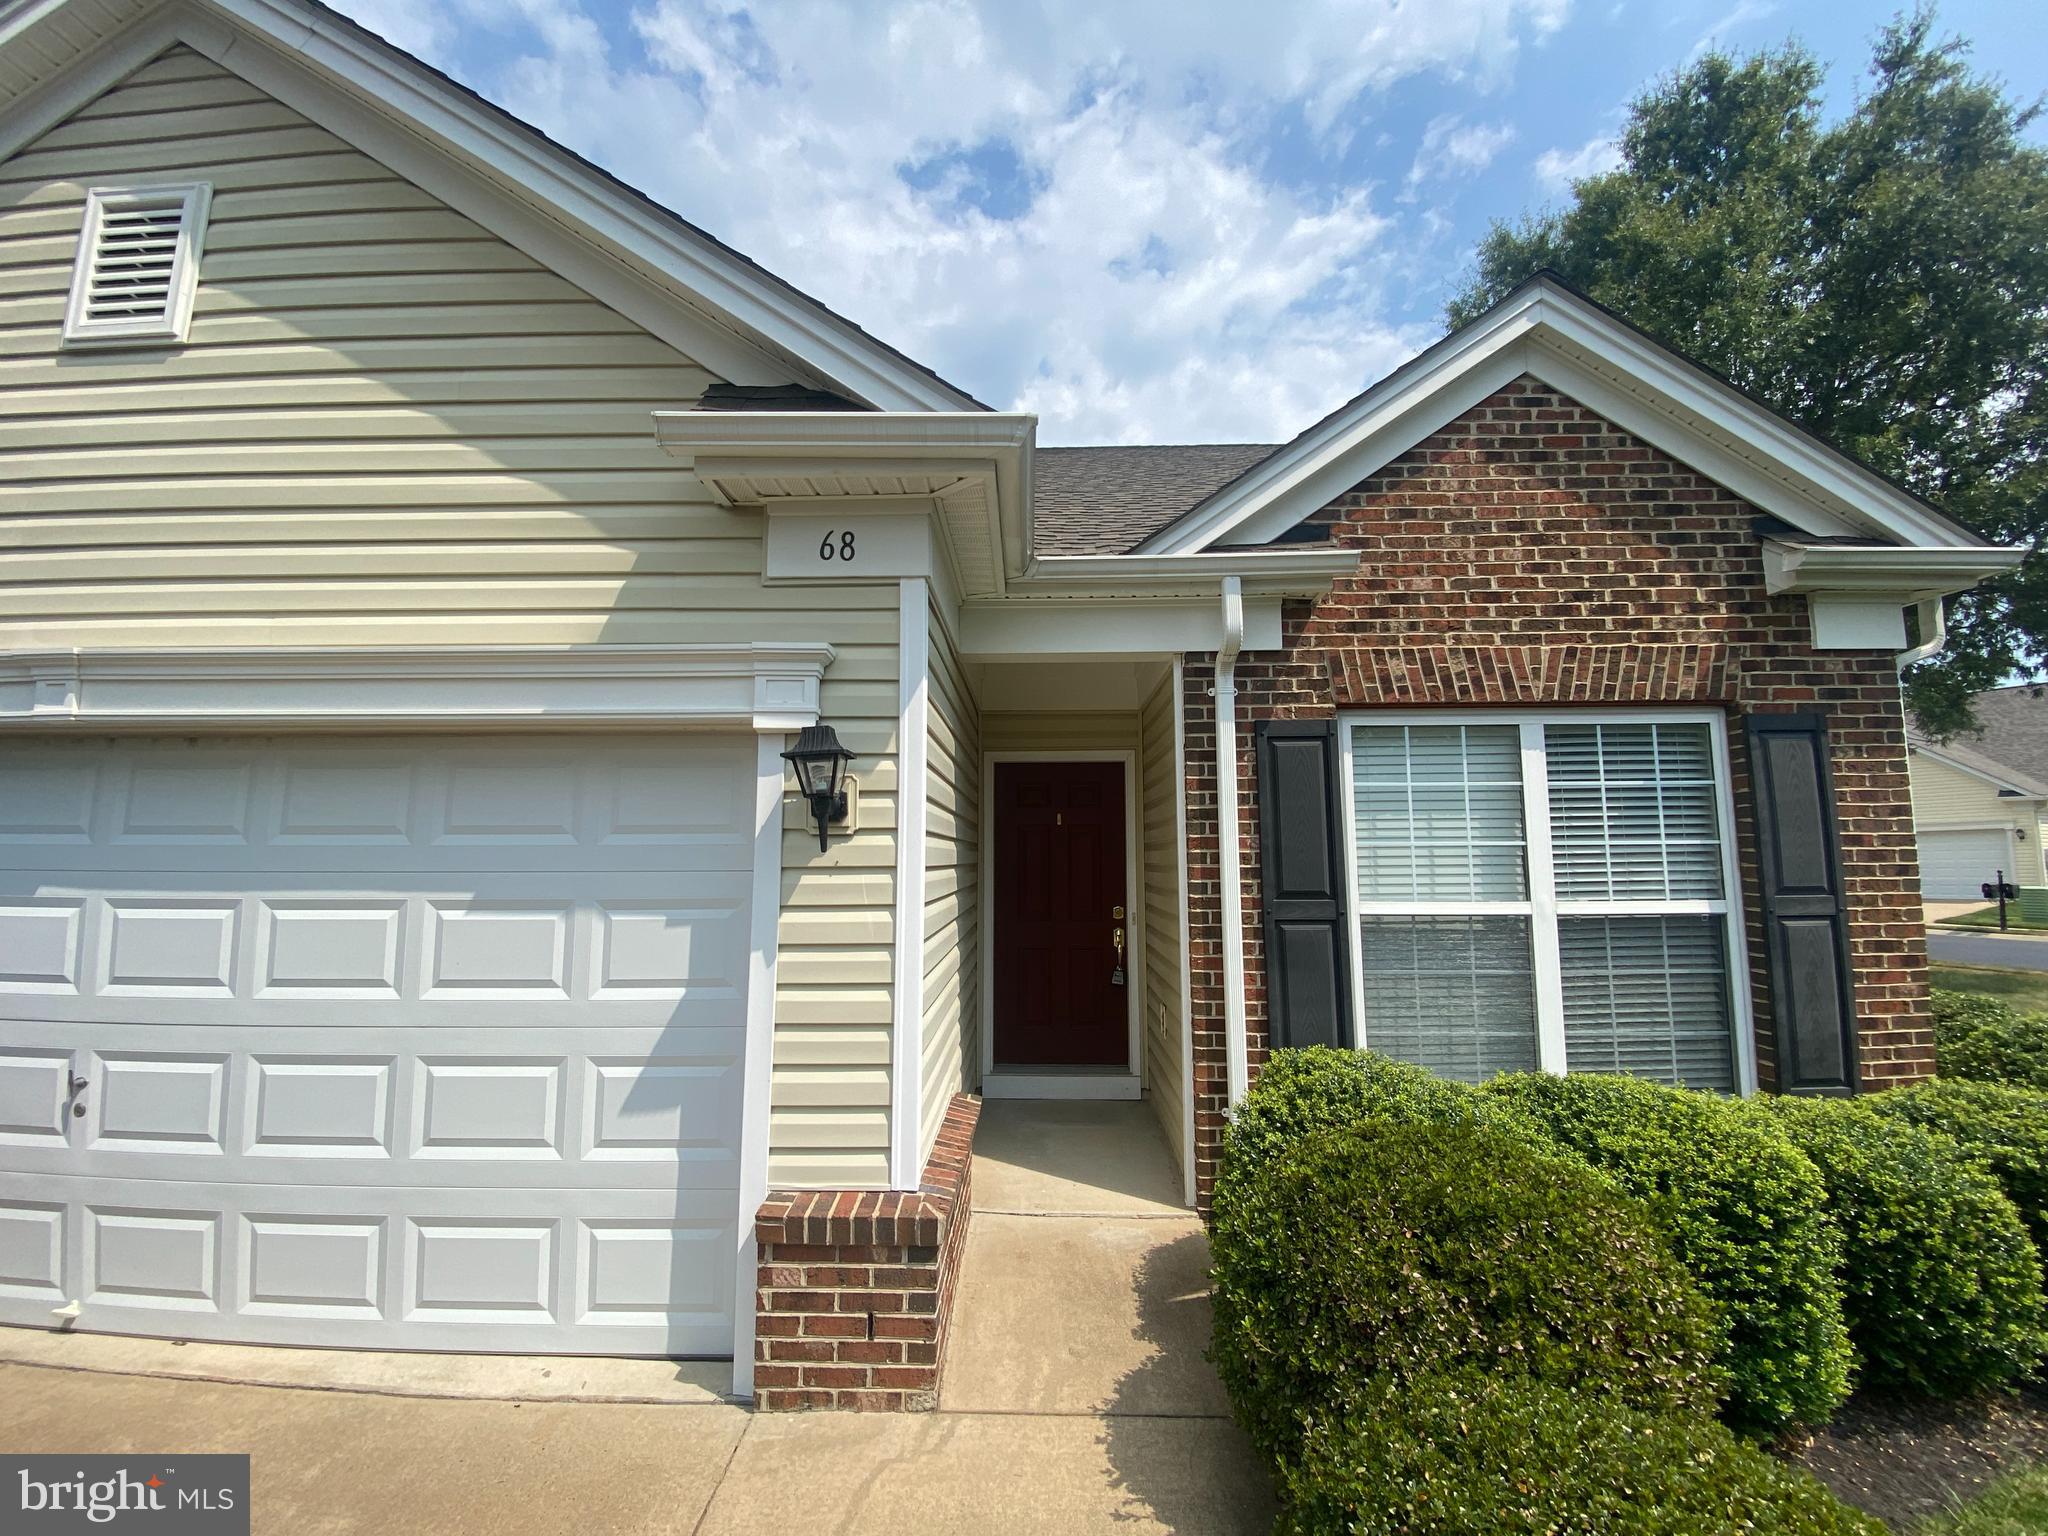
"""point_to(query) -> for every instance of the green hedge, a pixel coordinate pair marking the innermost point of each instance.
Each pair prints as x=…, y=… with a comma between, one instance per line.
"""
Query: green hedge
x=1986, y=1040
x=1320, y=1088
x=1504, y=1456
x=1395, y=1251
x=2006, y=1127
x=1747, y=1214
x=1940, y=1284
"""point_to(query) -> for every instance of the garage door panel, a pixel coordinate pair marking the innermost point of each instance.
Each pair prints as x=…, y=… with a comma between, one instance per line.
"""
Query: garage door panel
x=1955, y=865
x=607, y=1271
x=430, y=1043
x=641, y=1109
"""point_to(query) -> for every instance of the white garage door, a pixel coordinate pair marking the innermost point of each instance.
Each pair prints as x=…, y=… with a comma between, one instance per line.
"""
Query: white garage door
x=1955, y=866
x=395, y=1043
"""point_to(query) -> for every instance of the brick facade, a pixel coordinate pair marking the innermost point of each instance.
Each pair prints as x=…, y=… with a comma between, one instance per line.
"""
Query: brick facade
x=1533, y=554
x=855, y=1295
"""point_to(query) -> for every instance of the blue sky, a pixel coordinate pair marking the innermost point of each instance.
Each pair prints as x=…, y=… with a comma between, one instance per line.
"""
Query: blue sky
x=1146, y=220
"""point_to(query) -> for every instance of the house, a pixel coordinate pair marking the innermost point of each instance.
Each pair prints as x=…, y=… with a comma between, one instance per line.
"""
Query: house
x=1978, y=799
x=421, y=553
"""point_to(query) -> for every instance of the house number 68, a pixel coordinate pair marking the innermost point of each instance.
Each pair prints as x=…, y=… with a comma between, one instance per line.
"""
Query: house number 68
x=836, y=545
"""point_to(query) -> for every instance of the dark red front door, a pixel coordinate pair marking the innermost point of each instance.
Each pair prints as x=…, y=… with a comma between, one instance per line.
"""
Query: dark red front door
x=1059, y=903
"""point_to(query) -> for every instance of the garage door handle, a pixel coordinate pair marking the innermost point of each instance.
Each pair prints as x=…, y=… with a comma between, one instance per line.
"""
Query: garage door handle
x=78, y=1087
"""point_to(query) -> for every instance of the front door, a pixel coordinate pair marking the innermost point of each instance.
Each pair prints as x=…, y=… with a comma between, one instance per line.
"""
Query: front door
x=1061, y=981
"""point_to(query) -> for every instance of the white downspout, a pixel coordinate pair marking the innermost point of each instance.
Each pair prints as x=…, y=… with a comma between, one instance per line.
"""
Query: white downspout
x=1236, y=1065
x=1934, y=626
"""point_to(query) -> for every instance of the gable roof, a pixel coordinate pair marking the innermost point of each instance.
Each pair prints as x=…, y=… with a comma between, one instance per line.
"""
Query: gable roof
x=1103, y=501
x=2011, y=739
x=1548, y=329
x=641, y=258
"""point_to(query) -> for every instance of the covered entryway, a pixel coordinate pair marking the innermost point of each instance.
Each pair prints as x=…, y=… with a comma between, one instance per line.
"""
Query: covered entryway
x=391, y=1042
x=1955, y=865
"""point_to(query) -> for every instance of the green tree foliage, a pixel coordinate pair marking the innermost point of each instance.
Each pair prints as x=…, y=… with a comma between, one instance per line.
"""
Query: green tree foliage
x=1881, y=279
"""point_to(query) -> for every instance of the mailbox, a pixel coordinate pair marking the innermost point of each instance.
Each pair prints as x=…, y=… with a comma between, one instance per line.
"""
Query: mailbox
x=2000, y=890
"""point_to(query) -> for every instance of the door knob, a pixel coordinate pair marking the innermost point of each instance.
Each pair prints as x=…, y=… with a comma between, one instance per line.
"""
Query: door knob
x=77, y=1086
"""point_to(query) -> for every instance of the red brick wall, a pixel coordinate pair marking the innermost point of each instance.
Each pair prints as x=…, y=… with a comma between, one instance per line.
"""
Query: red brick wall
x=855, y=1292
x=1533, y=554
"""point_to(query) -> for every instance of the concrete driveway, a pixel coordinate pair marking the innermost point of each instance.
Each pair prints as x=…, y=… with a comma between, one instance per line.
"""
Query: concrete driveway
x=1075, y=1397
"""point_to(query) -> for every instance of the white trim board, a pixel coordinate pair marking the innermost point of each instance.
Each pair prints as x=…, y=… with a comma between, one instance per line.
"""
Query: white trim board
x=679, y=283
x=1081, y=1083
x=762, y=686
x=758, y=1071
x=906, y=1030
x=1545, y=329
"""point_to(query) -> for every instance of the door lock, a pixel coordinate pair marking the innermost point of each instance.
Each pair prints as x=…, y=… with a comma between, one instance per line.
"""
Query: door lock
x=75, y=1096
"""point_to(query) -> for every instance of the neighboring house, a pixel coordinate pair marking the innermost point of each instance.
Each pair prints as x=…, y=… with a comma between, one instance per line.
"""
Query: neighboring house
x=418, y=552
x=1978, y=800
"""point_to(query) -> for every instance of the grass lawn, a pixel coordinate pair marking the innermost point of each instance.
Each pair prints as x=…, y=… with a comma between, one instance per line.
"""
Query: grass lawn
x=1987, y=917
x=2015, y=1505
x=2025, y=990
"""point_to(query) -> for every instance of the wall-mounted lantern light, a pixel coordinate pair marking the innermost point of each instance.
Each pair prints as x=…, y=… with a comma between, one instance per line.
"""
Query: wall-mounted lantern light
x=820, y=763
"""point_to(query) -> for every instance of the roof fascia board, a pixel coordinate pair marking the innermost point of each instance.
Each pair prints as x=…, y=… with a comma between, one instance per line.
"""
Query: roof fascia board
x=996, y=629
x=844, y=434
x=1278, y=573
x=1436, y=387
x=1642, y=386
x=1949, y=760
x=1912, y=573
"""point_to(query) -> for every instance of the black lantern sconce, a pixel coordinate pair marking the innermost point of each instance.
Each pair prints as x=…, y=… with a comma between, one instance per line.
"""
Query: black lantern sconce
x=820, y=763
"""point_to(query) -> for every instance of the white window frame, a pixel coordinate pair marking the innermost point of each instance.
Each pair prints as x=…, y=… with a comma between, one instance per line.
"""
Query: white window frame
x=1542, y=908
x=193, y=200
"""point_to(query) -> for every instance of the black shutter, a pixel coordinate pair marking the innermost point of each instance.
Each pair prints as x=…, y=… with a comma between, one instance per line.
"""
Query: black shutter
x=1806, y=928
x=1308, y=982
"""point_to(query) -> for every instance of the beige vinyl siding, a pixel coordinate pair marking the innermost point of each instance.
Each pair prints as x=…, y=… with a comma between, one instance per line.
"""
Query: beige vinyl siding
x=1948, y=797
x=388, y=426
x=1159, y=804
x=1105, y=731
x=952, y=938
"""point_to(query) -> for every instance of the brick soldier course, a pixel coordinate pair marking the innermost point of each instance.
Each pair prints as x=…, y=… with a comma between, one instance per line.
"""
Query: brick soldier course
x=1532, y=554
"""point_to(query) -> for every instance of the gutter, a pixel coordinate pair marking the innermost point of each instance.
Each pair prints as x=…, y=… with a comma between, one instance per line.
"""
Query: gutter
x=1237, y=1068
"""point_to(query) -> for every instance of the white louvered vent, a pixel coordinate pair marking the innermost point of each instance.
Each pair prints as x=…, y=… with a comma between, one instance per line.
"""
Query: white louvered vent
x=138, y=263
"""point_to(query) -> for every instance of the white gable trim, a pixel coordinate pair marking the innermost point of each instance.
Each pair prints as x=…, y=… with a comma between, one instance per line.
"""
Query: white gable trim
x=678, y=285
x=1545, y=330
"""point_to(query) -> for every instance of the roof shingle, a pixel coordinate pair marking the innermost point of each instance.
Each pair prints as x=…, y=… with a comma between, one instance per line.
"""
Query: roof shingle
x=1105, y=501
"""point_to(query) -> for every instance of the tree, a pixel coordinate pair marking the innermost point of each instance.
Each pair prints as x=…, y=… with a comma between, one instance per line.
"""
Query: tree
x=1882, y=280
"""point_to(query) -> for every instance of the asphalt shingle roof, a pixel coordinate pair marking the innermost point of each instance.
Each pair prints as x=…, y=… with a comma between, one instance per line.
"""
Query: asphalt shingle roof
x=2013, y=731
x=1103, y=501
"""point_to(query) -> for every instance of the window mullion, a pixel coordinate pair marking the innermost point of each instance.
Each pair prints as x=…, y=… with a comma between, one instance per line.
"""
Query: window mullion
x=1548, y=967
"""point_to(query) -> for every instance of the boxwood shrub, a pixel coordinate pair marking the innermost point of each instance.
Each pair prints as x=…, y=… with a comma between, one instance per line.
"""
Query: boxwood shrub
x=1478, y=1455
x=1985, y=1040
x=1398, y=1250
x=1746, y=1214
x=1940, y=1284
x=1321, y=1088
x=2005, y=1127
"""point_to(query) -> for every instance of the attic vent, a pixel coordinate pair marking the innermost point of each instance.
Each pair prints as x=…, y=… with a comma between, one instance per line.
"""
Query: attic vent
x=138, y=263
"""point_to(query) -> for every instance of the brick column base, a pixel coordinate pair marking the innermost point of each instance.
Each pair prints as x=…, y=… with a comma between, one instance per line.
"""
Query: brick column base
x=856, y=1286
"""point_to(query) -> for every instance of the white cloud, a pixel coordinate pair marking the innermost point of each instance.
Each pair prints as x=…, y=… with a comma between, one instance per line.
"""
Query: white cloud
x=1557, y=169
x=1160, y=285
x=1453, y=147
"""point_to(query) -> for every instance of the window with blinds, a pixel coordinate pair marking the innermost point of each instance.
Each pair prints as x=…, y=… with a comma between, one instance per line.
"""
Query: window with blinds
x=1545, y=893
x=137, y=269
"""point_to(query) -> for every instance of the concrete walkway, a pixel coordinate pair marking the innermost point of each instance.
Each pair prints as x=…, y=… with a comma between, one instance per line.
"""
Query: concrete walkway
x=1075, y=1396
